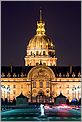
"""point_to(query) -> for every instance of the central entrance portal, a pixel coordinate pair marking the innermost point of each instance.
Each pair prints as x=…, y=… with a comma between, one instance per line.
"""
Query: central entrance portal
x=41, y=78
x=40, y=97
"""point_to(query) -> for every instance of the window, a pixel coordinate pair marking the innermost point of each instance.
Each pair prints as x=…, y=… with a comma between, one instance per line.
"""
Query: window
x=21, y=86
x=47, y=84
x=14, y=86
x=44, y=64
x=8, y=85
x=43, y=52
x=34, y=91
x=36, y=52
x=41, y=84
x=47, y=91
x=31, y=52
x=34, y=84
x=14, y=92
x=68, y=92
x=67, y=86
x=37, y=64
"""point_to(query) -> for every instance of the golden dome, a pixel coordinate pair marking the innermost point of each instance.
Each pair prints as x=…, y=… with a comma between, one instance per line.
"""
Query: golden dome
x=40, y=41
x=40, y=49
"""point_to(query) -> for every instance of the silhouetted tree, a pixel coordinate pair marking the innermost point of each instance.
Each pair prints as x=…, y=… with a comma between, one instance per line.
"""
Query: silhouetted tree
x=74, y=101
x=14, y=102
x=6, y=101
x=67, y=101
x=79, y=101
x=2, y=101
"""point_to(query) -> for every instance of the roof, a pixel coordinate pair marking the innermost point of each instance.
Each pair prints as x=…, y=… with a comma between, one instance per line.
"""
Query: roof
x=61, y=96
x=21, y=96
x=59, y=71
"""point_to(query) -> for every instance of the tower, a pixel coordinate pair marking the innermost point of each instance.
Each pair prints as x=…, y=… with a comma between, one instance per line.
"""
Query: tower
x=40, y=49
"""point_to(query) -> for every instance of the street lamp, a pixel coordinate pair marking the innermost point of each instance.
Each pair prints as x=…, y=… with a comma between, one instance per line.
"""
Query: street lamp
x=75, y=89
x=72, y=93
x=78, y=91
x=8, y=93
x=5, y=90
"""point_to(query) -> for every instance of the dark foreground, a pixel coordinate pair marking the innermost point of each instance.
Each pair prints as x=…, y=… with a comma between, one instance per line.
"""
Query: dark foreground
x=33, y=114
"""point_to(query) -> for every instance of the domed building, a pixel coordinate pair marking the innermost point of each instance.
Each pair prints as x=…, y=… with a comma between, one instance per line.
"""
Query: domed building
x=41, y=80
x=40, y=49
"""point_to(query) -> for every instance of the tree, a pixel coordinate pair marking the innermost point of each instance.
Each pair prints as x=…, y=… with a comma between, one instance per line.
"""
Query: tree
x=2, y=101
x=67, y=101
x=6, y=101
x=74, y=101
x=79, y=101
x=14, y=102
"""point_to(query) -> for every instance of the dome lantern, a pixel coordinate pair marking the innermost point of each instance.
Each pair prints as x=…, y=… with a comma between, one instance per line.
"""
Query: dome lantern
x=40, y=26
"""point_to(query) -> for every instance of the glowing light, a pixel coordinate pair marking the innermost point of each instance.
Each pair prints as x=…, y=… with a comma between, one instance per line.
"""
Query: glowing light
x=64, y=106
x=46, y=107
x=51, y=44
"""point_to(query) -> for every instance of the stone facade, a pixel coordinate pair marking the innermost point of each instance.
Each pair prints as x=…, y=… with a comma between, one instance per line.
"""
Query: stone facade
x=41, y=79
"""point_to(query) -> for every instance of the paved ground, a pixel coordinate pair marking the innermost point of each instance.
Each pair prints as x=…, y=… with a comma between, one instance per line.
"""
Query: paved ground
x=33, y=114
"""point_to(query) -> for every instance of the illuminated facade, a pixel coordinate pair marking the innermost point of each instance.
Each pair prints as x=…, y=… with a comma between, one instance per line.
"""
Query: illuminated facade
x=41, y=80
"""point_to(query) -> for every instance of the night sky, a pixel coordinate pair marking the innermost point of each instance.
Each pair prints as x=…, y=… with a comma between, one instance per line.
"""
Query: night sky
x=18, y=26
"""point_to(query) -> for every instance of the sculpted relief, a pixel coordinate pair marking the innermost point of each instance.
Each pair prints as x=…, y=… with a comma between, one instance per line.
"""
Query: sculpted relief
x=40, y=72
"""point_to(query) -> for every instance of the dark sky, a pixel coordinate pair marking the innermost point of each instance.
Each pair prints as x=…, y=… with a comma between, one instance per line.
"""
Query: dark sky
x=63, y=25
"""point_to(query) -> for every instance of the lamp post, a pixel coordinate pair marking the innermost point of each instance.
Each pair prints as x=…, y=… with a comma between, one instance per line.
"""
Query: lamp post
x=72, y=93
x=75, y=89
x=8, y=94
x=3, y=91
x=78, y=91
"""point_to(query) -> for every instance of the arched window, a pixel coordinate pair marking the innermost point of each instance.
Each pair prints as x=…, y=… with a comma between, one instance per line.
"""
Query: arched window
x=47, y=84
x=36, y=52
x=67, y=86
x=14, y=86
x=14, y=92
x=31, y=52
x=34, y=84
x=41, y=84
x=43, y=52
